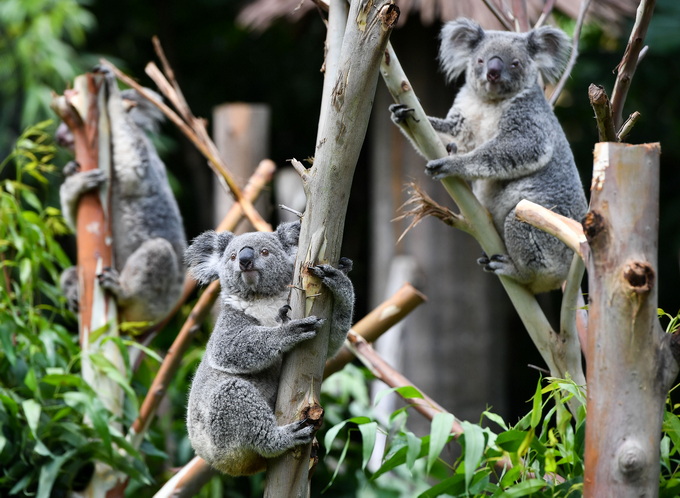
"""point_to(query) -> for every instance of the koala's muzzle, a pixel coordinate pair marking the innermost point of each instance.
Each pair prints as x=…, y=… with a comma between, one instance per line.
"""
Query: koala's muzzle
x=246, y=258
x=494, y=69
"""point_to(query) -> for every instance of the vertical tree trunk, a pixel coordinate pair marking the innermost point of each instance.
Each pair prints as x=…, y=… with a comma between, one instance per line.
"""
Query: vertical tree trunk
x=630, y=364
x=327, y=185
x=85, y=112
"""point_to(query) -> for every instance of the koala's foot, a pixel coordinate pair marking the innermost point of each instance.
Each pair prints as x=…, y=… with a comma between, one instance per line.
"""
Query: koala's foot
x=109, y=279
x=400, y=112
x=68, y=281
x=495, y=263
x=502, y=264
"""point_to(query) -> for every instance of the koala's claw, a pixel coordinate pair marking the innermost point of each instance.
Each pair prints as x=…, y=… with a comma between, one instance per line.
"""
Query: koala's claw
x=439, y=168
x=451, y=148
x=400, y=112
x=345, y=265
x=282, y=316
x=303, y=431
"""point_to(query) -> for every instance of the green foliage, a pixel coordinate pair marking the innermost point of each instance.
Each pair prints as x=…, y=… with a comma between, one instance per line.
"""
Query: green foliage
x=37, y=55
x=541, y=455
x=53, y=425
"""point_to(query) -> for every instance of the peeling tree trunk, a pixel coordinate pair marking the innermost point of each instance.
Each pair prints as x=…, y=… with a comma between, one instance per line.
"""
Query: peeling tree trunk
x=327, y=185
x=630, y=364
x=84, y=111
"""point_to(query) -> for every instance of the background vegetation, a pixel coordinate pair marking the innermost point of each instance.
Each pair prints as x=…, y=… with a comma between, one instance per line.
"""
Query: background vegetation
x=45, y=43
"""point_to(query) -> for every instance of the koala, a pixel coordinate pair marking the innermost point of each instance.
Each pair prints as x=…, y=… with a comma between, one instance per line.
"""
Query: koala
x=230, y=414
x=506, y=140
x=149, y=241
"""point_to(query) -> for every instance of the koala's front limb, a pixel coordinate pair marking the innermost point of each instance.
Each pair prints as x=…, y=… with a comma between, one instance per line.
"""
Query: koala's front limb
x=242, y=346
x=337, y=281
x=521, y=147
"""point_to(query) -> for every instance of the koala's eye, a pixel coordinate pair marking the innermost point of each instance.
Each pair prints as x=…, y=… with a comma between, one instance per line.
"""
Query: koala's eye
x=264, y=252
x=233, y=256
x=480, y=61
x=515, y=63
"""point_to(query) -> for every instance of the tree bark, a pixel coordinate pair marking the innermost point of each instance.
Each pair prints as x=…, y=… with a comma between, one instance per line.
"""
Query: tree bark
x=327, y=184
x=85, y=112
x=630, y=363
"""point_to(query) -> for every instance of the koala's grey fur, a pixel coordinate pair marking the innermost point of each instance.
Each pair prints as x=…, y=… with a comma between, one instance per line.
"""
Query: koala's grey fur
x=148, y=232
x=508, y=141
x=230, y=416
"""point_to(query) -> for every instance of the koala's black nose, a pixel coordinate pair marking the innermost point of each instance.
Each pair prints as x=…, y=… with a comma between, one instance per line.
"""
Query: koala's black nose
x=494, y=69
x=245, y=258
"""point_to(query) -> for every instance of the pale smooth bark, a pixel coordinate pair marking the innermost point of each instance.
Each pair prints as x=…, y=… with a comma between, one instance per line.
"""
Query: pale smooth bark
x=630, y=362
x=327, y=184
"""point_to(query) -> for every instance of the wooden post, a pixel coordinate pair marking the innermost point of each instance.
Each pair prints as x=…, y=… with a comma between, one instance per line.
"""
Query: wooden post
x=630, y=364
x=241, y=134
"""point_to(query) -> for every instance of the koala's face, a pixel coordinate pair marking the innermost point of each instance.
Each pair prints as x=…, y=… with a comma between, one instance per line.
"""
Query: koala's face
x=500, y=66
x=256, y=264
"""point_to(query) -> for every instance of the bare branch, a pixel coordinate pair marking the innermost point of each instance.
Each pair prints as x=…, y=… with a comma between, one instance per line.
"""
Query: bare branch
x=420, y=205
x=502, y=18
x=574, y=52
x=603, y=113
x=547, y=10
x=626, y=68
x=519, y=10
x=628, y=126
x=197, y=133
x=567, y=230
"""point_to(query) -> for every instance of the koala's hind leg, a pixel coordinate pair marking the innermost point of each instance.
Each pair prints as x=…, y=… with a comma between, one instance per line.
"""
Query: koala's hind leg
x=241, y=422
x=148, y=285
x=68, y=281
x=535, y=258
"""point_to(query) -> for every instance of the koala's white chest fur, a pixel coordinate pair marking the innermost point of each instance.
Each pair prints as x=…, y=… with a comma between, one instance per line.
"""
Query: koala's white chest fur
x=481, y=119
x=264, y=309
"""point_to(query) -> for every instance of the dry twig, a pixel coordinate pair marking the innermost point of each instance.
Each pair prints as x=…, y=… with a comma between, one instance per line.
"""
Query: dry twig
x=420, y=205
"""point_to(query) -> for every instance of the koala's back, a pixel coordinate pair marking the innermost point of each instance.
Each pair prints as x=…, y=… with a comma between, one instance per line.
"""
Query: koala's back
x=146, y=209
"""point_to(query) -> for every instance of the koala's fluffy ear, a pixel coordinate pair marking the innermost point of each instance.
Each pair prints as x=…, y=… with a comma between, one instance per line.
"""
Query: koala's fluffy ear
x=458, y=39
x=203, y=255
x=289, y=234
x=550, y=48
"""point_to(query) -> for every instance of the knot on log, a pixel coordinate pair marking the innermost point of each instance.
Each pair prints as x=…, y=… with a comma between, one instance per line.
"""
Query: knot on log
x=639, y=276
x=389, y=15
x=313, y=415
x=631, y=460
x=593, y=224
